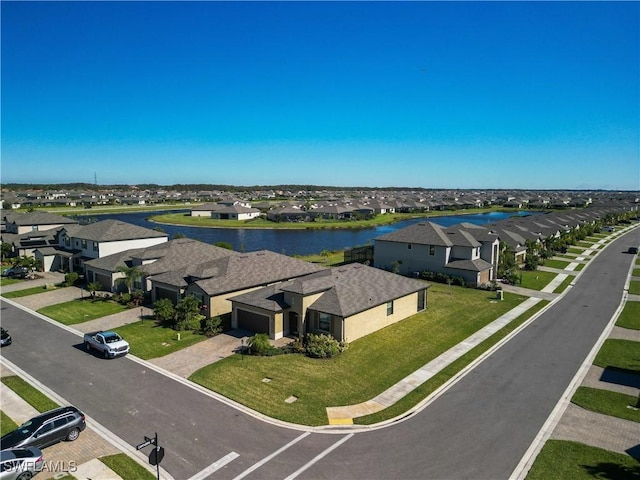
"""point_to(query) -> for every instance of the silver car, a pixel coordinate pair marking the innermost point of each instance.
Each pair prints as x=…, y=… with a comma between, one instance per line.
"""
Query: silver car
x=20, y=463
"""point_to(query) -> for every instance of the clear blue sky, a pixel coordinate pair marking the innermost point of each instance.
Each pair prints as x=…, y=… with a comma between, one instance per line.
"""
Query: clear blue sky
x=541, y=95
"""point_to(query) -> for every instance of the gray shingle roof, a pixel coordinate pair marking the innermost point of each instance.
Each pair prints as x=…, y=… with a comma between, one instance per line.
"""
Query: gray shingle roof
x=111, y=231
x=423, y=233
x=39, y=218
x=354, y=288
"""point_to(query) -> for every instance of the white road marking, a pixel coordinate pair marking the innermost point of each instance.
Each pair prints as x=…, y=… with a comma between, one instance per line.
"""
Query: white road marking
x=319, y=457
x=215, y=466
x=274, y=454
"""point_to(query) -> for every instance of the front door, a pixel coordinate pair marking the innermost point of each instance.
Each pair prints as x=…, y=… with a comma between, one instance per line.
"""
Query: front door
x=293, y=323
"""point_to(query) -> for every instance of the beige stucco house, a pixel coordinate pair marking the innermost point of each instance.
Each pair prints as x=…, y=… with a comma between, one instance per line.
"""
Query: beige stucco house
x=347, y=302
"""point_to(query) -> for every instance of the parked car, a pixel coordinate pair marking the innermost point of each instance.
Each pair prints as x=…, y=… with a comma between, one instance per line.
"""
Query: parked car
x=633, y=250
x=63, y=423
x=20, y=463
x=16, y=272
x=5, y=338
x=109, y=343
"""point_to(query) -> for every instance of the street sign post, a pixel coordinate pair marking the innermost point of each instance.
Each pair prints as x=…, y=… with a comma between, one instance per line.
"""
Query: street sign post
x=156, y=455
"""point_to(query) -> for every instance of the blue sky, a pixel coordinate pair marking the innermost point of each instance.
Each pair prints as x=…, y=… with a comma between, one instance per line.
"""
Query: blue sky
x=539, y=95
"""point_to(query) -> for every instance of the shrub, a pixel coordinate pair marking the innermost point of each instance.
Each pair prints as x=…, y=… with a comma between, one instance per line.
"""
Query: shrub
x=164, y=311
x=212, y=326
x=259, y=345
x=323, y=346
x=70, y=279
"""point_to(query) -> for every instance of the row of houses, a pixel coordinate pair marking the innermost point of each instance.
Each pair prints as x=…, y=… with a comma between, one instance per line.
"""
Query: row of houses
x=472, y=251
x=264, y=291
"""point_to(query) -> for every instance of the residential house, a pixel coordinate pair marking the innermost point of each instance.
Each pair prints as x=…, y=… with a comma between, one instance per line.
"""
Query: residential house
x=346, y=302
x=433, y=248
x=80, y=243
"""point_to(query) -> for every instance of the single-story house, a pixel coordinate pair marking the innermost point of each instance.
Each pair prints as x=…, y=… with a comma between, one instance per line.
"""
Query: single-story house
x=346, y=302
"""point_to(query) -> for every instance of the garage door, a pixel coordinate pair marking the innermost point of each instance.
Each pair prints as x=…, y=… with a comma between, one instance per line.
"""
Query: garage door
x=104, y=280
x=164, y=293
x=253, y=322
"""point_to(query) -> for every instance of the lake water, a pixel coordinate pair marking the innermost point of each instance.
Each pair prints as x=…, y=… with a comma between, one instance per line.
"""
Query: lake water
x=295, y=242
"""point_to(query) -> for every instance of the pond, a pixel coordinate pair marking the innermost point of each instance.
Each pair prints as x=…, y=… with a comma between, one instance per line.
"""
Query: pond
x=295, y=242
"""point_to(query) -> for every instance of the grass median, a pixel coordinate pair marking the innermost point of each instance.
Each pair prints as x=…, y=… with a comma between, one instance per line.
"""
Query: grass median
x=29, y=394
x=32, y=291
x=368, y=367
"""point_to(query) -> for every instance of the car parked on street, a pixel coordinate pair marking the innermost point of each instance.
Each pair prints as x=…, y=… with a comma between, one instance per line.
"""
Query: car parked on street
x=5, y=338
x=633, y=250
x=20, y=463
x=63, y=423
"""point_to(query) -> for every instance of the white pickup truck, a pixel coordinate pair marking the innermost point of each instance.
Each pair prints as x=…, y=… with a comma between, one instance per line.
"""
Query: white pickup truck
x=109, y=343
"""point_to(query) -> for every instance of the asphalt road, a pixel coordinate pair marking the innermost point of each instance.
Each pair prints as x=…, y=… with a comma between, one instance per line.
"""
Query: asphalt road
x=480, y=428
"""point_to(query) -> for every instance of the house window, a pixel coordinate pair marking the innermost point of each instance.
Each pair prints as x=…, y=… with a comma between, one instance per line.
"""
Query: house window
x=95, y=246
x=67, y=241
x=408, y=246
x=422, y=300
x=324, y=322
x=390, y=308
x=432, y=250
x=34, y=228
x=84, y=244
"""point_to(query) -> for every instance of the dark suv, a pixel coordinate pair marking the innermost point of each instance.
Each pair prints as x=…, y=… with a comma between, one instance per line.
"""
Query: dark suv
x=64, y=423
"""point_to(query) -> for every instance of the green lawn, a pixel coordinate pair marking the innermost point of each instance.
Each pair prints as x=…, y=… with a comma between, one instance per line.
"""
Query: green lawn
x=127, y=467
x=565, y=283
x=369, y=366
x=617, y=353
x=8, y=281
x=33, y=397
x=334, y=258
x=560, y=264
x=149, y=340
x=81, y=310
x=562, y=460
x=606, y=402
x=630, y=316
x=6, y=424
x=30, y=291
x=636, y=272
x=634, y=287
x=536, y=280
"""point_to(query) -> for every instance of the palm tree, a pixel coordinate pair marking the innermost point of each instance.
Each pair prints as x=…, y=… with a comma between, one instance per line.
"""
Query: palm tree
x=131, y=275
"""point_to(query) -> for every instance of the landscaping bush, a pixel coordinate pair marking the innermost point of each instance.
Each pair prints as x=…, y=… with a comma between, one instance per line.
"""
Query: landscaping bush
x=323, y=346
x=70, y=279
x=440, y=277
x=259, y=345
x=211, y=326
x=164, y=311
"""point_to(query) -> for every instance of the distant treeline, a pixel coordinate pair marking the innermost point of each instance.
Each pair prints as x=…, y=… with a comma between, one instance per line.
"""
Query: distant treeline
x=191, y=187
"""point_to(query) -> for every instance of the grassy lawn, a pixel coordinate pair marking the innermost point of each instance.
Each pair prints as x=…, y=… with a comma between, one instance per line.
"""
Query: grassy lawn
x=29, y=394
x=560, y=264
x=565, y=283
x=634, y=287
x=636, y=272
x=619, y=354
x=334, y=258
x=369, y=366
x=606, y=402
x=79, y=310
x=536, y=280
x=630, y=316
x=6, y=424
x=127, y=467
x=8, y=281
x=30, y=291
x=149, y=340
x=562, y=460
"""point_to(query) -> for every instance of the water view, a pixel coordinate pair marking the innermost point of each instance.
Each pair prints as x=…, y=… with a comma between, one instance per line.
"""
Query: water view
x=296, y=242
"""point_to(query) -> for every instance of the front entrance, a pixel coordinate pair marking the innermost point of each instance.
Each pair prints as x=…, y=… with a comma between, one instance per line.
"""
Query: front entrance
x=293, y=323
